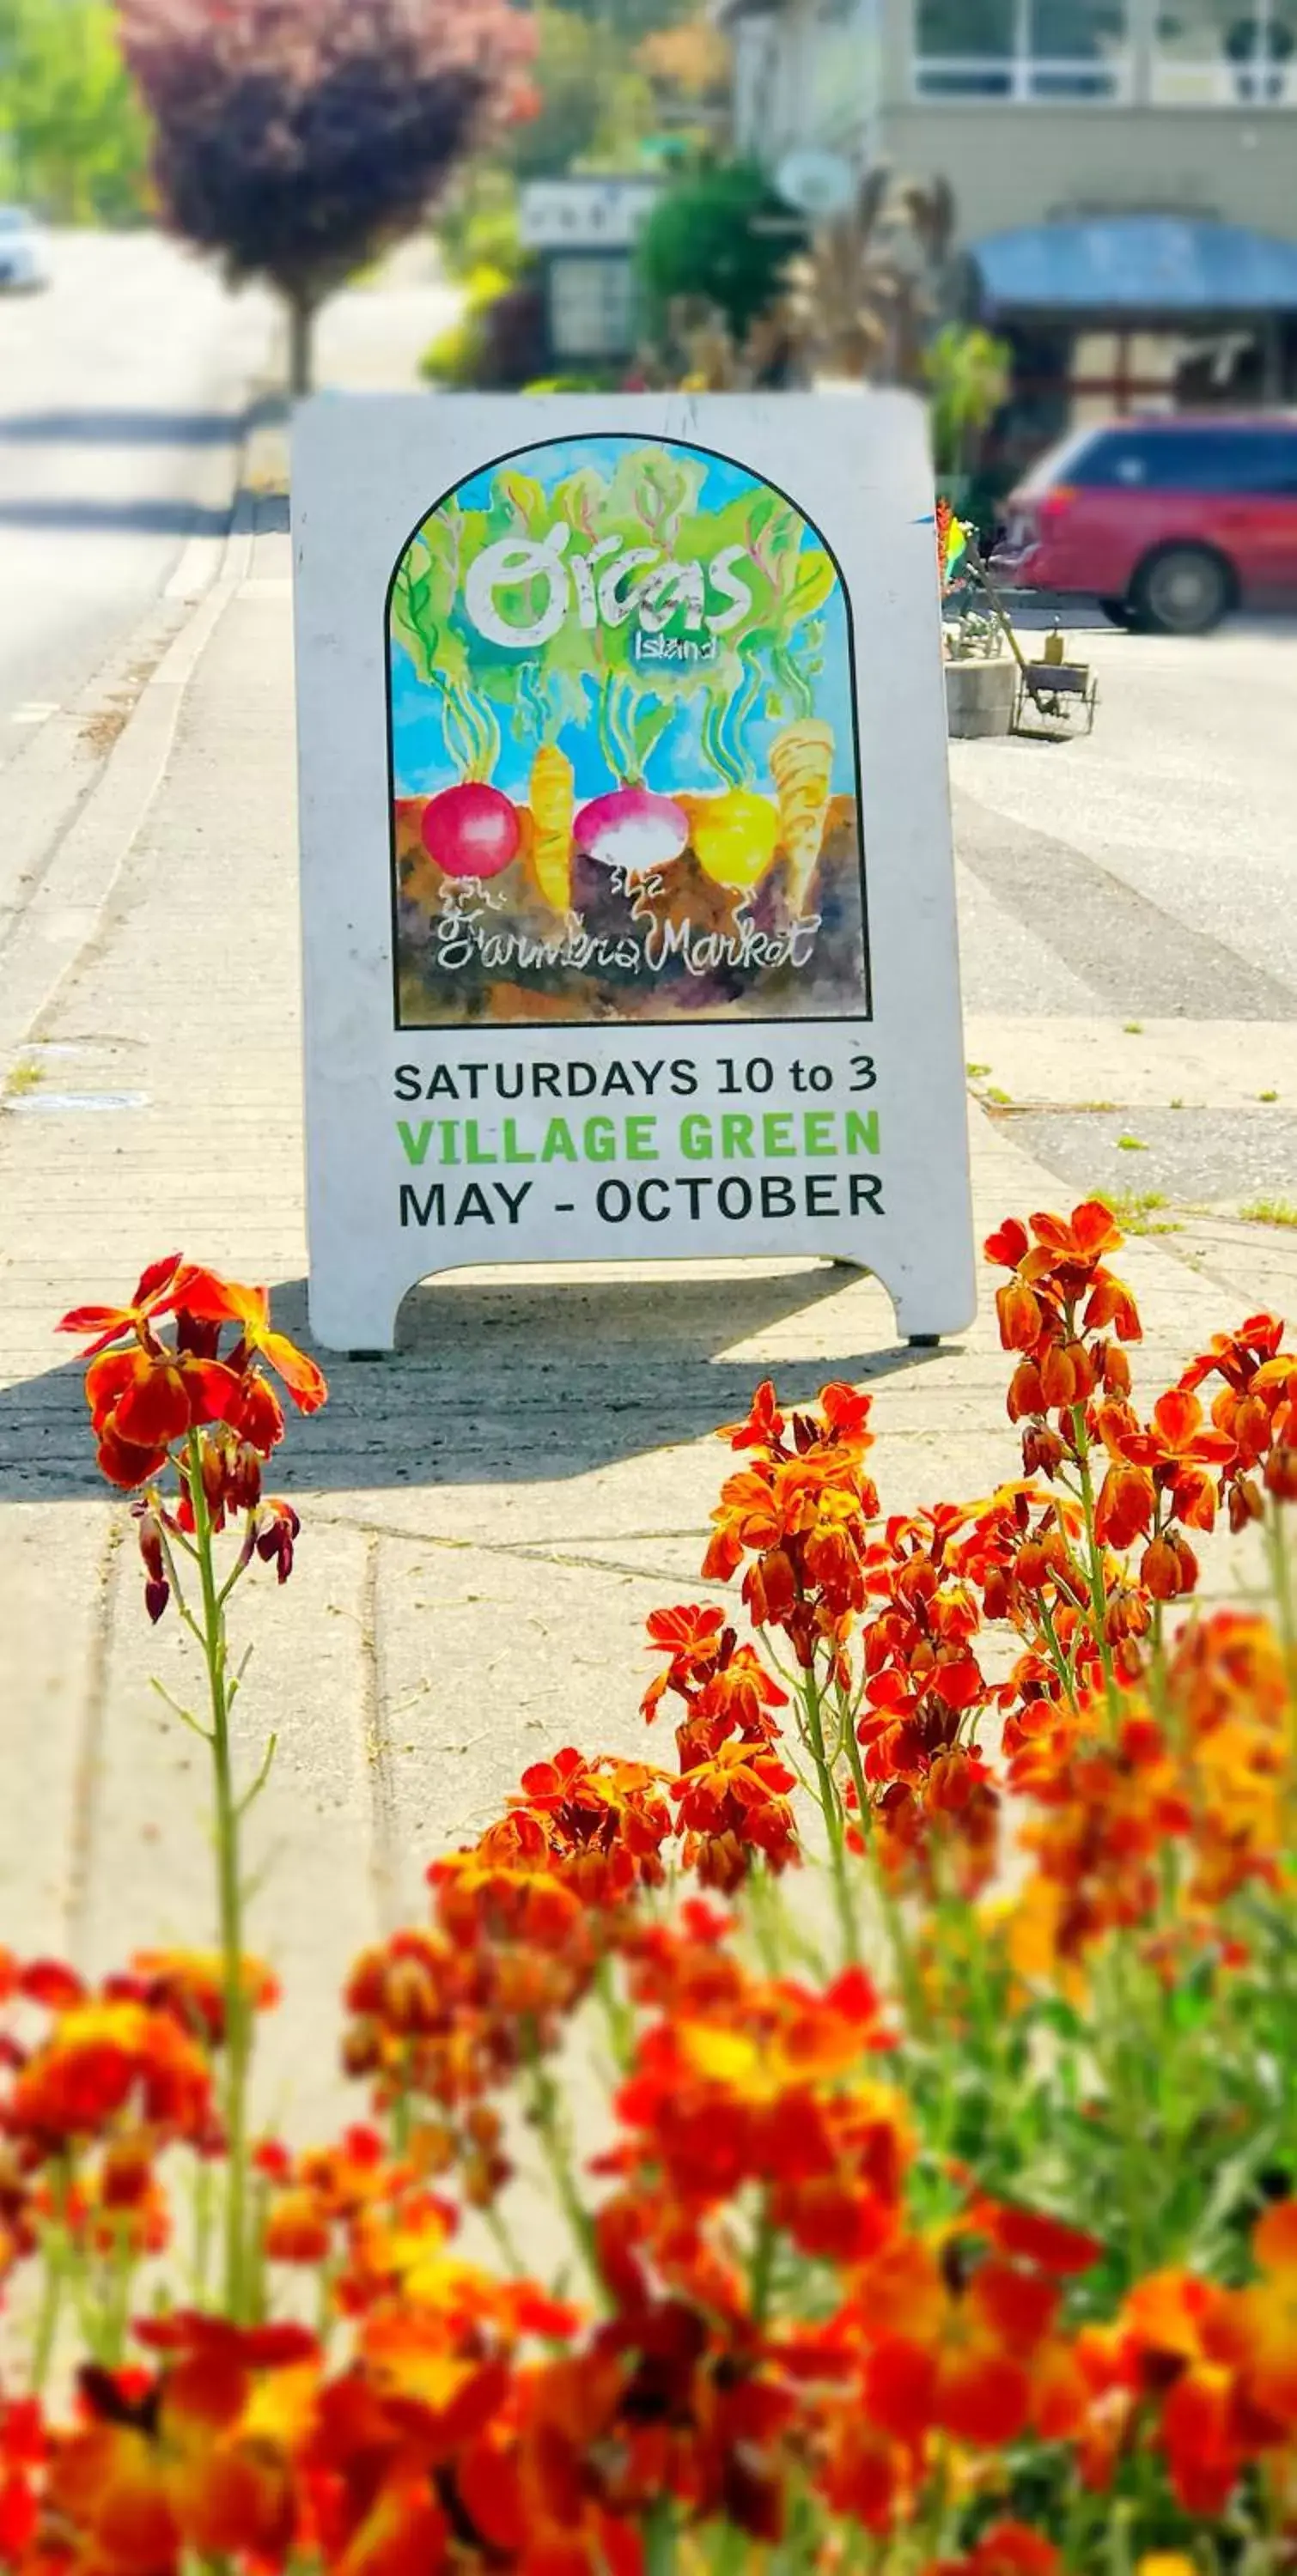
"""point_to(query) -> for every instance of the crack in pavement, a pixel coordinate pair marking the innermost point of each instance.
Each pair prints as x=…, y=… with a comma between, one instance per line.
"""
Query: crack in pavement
x=521, y=1551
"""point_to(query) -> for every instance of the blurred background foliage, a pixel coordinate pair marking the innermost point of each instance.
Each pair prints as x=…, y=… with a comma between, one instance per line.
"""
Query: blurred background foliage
x=73, y=138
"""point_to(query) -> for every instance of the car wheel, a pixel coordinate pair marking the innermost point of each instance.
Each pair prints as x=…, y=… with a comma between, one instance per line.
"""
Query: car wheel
x=1119, y=612
x=1183, y=590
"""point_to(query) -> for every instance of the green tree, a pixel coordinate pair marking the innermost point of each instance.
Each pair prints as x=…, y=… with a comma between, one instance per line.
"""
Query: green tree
x=721, y=235
x=297, y=139
x=72, y=137
x=595, y=103
x=633, y=19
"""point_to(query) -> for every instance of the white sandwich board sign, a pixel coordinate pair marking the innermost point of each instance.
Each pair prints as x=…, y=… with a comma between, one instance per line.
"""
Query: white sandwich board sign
x=626, y=865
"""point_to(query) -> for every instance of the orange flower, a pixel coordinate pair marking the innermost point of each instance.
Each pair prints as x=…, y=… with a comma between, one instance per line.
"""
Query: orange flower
x=732, y=1802
x=799, y=1513
x=106, y=2059
x=154, y=1296
x=223, y=1301
x=605, y=1821
x=143, y=1401
x=1178, y=1451
x=192, y=2463
x=954, y=2342
x=1006, y=2549
x=191, y=1985
x=1260, y=2323
x=772, y=2086
x=1059, y=1303
x=1127, y=1501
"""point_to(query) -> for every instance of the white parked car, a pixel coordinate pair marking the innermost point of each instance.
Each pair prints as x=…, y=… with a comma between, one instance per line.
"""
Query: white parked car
x=24, y=251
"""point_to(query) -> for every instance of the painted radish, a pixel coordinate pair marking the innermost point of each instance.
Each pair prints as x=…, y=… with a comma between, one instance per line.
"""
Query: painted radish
x=471, y=831
x=632, y=829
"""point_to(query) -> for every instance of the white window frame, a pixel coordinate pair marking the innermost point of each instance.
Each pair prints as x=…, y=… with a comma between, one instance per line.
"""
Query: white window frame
x=1025, y=69
x=1260, y=87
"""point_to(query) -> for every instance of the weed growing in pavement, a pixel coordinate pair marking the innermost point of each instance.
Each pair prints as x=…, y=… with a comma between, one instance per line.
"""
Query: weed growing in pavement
x=1132, y=1028
x=1269, y=1212
x=1131, y=1145
x=947, y=2228
x=21, y=1080
x=1267, y=1095
x=1138, y=1211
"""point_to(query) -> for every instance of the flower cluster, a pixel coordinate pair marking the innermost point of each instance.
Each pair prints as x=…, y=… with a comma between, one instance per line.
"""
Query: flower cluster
x=947, y=2227
x=154, y=1398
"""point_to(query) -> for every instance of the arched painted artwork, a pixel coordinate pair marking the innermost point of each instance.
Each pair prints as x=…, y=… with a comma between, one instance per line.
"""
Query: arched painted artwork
x=625, y=773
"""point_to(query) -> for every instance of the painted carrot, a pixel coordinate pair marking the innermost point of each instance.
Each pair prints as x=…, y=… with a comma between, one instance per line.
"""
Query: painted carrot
x=801, y=763
x=553, y=807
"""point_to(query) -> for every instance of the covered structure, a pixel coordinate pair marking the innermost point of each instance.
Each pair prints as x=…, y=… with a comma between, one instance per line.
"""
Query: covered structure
x=1119, y=312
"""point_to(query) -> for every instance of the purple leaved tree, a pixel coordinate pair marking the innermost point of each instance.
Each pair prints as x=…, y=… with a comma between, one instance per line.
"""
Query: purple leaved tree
x=298, y=138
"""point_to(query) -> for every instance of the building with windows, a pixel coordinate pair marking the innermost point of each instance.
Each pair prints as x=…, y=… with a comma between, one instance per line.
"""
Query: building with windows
x=1125, y=174
x=1033, y=108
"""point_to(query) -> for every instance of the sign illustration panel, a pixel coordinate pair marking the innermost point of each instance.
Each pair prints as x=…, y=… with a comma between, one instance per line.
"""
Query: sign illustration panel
x=627, y=886
x=625, y=772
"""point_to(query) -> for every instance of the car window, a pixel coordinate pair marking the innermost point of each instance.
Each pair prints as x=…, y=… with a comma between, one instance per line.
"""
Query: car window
x=1232, y=458
x=1057, y=463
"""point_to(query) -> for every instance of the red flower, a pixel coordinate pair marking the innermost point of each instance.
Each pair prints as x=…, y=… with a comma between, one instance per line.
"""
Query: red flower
x=224, y=1301
x=155, y=1295
x=1178, y=1450
x=146, y=1399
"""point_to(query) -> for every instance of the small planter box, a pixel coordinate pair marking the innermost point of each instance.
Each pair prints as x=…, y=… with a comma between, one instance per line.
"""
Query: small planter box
x=980, y=696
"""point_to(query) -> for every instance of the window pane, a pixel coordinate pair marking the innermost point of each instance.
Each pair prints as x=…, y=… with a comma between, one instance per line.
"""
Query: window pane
x=1191, y=460
x=981, y=30
x=1076, y=30
x=1226, y=52
x=590, y=307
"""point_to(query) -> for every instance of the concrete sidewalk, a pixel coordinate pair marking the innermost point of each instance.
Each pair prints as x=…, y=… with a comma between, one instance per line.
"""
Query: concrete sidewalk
x=488, y=1517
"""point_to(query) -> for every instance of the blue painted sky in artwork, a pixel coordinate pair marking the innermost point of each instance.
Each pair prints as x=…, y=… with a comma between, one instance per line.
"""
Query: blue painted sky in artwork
x=423, y=764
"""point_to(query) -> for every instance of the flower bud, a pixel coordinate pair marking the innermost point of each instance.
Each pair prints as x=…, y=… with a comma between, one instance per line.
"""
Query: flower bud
x=1043, y=1451
x=1019, y=1316
x=157, y=1588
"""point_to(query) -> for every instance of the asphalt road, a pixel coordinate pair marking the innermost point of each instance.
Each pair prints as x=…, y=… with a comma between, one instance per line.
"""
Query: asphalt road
x=1146, y=871
x=121, y=390
x=1128, y=929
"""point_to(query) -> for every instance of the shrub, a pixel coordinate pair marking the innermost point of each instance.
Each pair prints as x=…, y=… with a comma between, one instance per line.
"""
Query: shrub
x=704, y=239
x=968, y=376
x=499, y=341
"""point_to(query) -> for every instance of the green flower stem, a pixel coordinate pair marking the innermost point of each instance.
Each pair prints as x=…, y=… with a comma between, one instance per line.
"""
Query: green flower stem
x=1285, y=1612
x=1094, y=1555
x=761, y=2279
x=238, y=2032
x=502, y=2237
x=551, y=2129
x=902, y=1955
x=831, y=1806
x=660, y=2538
x=1056, y=1655
x=55, y=2258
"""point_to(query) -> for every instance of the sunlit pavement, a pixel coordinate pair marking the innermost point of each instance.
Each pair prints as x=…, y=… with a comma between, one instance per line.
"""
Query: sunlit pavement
x=122, y=392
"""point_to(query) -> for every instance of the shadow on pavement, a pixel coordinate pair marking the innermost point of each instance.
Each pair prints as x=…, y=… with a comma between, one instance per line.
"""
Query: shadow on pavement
x=144, y=518
x=512, y=1385
x=120, y=428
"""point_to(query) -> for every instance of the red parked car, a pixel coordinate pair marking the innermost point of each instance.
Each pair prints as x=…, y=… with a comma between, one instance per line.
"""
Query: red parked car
x=1169, y=523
